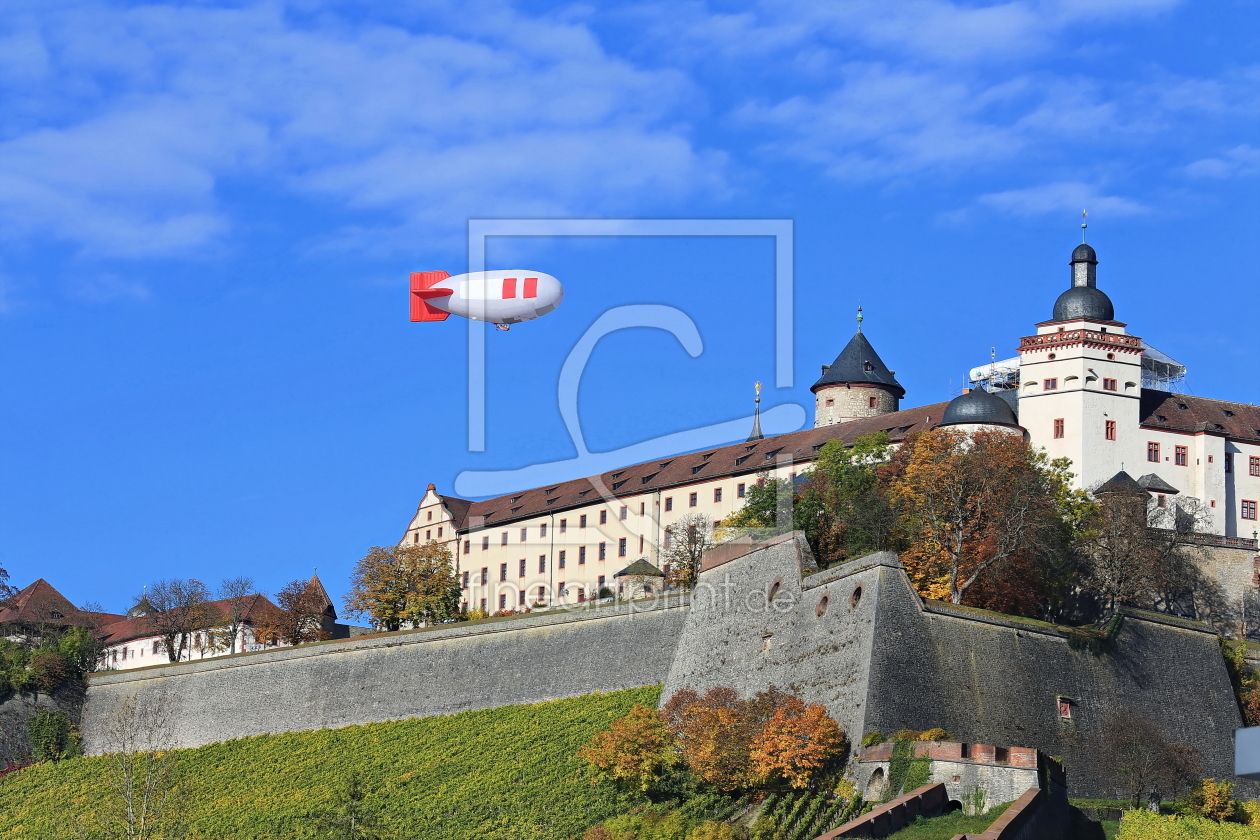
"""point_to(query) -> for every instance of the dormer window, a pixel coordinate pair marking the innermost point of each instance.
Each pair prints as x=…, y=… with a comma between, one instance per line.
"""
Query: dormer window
x=868, y=367
x=1183, y=406
x=1228, y=413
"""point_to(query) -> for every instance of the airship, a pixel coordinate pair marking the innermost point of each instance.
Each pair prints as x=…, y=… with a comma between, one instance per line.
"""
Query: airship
x=499, y=297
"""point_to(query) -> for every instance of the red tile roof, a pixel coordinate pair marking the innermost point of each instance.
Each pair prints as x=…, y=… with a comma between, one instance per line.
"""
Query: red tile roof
x=1183, y=413
x=41, y=603
x=682, y=470
x=141, y=627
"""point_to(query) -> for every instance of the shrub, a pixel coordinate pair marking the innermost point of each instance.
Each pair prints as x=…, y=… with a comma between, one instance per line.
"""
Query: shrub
x=636, y=751
x=1141, y=824
x=477, y=614
x=1248, y=812
x=52, y=736
x=766, y=828
x=870, y=739
x=1212, y=800
x=907, y=735
x=935, y=734
x=713, y=830
x=48, y=670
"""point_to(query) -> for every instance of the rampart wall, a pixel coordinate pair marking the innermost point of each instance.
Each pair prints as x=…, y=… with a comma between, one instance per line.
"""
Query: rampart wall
x=433, y=671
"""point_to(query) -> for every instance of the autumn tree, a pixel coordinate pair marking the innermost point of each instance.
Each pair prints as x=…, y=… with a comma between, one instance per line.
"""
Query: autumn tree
x=1144, y=765
x=842, y=507
x=971, y=505
x=796, y=742
x=299, y=619
x=686, y=541
x=635, y=752
x=235, y=593
x=405, y=583
x=769, y=509
x=178, y=609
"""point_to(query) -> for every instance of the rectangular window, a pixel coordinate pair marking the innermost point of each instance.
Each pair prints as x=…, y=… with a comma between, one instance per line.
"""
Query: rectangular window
x=503, y=571
x=483, y=604
x=560, y=589
x=625, y=511
x=1110, y=429
x=739, y=491
x=1152, y=451
x=603, y=551
x=542, y=564
x=669, y=503
x=669, y=540
x=582, y=521
x=467, y=546
x=872, y=402
x=1109, y=385
x=581, y=594
x=542, y=530
x=601, y=581
x=1229, y=462
x=439, y=533
x=640, y=543
x=522, y=597
x=717, y=494
x=692, y=499
x=561, y=559
x=1161, y=501
x=1058, y=428
x=542, y=593
x=1051, y=385
x=503, y=602
x=603, y=517
x=503, y=538
x=621, y=547
x=485, y=543
x=156, y=648
x=524, y=534
x=1181, y=456
x=522, y=565
x=564, y=525
x=465, y=580
x=1253, y=466
x=415, y=538
x=582, y=556
x=485, y=575
x=1248, y=509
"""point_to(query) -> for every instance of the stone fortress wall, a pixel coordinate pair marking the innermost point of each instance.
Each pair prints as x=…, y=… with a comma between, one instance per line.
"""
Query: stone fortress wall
x=856, y=638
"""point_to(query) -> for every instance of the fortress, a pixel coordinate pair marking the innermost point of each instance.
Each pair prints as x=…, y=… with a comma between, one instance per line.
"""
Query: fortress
x=856, y=638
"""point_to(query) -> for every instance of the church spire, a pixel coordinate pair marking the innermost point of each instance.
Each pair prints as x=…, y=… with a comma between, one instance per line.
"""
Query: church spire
x=756, y=434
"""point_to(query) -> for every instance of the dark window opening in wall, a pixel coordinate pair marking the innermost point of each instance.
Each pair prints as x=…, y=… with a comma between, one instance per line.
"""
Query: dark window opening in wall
x=621, y=547
x=1109, y=385
x=582, y=521
x=1229, y=462
x=542, y=564
x=503, y=538
x=717, y=494
x=483, y=604
x=669, y=540
x=485, y=543
x=872, y=402
x=740, y=490
x=522, y=565
x=542, y=530
x=1065, y=708
x=156, y=647
x=521, y=598
x=642, y=508
x=564, y=525
x=503, y=602
x=465, y=580
x=830, y=403
x=560, y=558
x=1110, y=429
x=1248, y=509
x=485, y=575
x=503, y=571
x=428, y=535
x=582, y=555
x=603, y=517
x=581, y=594
x=1152, y=451
x=601, y=581
x=1181, y=456
x=542, y=594
x=1161, y=501
x=467, y=546
x=439, y=532
x=430, y=516
x=640, y=543
x=415, y=538
x=1058, y=428
x=524, y=534
x=625, y=512
x=669, y=503
x=693, y=499
x=603, y=551
x=560, y=590
x=1051, y=384
x=1254, y=466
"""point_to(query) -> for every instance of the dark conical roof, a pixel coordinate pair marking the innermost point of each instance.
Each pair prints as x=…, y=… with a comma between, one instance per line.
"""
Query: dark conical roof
x=1084, y=253
x=640, y=568
x=859, y=363
x=142, y=607
x=978, y=406
x=1121, y=482
x=1084, y=302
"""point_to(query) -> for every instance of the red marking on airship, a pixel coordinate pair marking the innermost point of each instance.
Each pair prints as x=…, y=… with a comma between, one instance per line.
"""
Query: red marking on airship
x=499, y=297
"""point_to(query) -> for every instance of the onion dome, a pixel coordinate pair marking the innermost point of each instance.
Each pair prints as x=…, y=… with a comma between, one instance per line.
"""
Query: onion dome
x=978, y=406
x=1084, y=253
x=859, y=363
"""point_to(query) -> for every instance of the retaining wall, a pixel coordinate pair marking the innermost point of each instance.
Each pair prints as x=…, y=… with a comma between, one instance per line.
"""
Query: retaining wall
x=434, y=671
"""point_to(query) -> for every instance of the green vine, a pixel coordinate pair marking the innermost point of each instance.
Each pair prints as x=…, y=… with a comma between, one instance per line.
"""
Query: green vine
x=899, y=768
x=920, y=772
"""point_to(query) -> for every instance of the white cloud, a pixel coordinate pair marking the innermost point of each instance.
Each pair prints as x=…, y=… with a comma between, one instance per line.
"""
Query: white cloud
x=1060, y=197
x=1240, y=161
x=146, y=111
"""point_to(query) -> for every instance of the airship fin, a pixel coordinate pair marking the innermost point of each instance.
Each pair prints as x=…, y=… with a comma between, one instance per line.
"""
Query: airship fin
x=421, y=281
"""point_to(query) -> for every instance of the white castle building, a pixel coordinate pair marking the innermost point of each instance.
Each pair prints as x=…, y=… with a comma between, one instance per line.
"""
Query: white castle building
x=1083, y=387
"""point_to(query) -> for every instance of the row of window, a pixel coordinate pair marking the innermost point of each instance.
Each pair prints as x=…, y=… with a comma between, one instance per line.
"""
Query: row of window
x=1109, y=428
x=562, y=560
x=1052, y=384
x=1253, y=464
x=540, y=594
x=871, y=402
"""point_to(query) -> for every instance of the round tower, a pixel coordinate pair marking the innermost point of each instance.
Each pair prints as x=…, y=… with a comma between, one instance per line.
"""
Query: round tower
x=857, y=384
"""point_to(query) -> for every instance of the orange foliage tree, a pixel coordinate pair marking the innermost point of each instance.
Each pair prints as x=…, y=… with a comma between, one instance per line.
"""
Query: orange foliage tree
x=636, y=751
x=299, y=619
x=973, y=505
x=796, y=742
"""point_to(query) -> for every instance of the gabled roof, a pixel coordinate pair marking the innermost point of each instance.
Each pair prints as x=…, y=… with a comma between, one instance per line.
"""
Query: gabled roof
x=640, y=568
x=326, y=603
x=1184, y=413
x=859, y=363
x=41, y=603
x=1154, y=484
x=129, y=629
x=1121, y=482
x=681, y=470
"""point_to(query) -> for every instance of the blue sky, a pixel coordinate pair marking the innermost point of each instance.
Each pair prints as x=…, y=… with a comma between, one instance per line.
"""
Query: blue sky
x=208, y=212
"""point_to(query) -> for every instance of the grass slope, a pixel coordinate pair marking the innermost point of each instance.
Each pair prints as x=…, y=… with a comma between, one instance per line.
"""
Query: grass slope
x=493, y=773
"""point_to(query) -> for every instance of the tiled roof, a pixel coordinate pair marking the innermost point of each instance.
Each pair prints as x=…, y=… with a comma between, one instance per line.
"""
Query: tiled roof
x=640, y=568
x=1183, y=413
x=41, y=603
x=138, y=628
x=681, y=470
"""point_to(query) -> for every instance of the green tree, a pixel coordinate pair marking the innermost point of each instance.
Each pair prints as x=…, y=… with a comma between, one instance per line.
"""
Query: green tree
x=847, y=514
x=405, y=583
